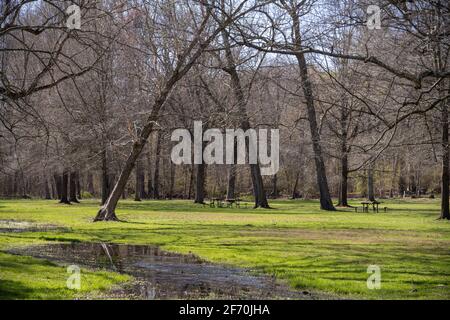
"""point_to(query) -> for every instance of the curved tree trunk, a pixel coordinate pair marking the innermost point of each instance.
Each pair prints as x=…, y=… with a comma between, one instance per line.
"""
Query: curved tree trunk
x=255, y=171
x=185, y=62
x=322, y=182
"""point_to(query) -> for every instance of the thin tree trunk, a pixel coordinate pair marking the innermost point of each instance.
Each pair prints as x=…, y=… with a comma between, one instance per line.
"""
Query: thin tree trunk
x=137, y=193
x=394, y=175
x=64, y=187
x=78, y=183
x=105, y=177
x=275, y=193
x=295, y=188
x=156, y=184
x=172, y=180
x=231, y=185
x=90, y=183
x=191, y=181
x=73, y=187
x=343, y=183
x=445, y=210
x=370, y=184
x=58, y=185
x=47, y=194
x=325, y=197
x=200, y=184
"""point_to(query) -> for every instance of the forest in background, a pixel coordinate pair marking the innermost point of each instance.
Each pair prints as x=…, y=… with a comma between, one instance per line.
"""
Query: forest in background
x=89, y=112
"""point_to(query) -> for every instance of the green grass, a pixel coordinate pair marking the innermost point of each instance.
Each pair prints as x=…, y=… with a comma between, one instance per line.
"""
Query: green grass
x=296, y=242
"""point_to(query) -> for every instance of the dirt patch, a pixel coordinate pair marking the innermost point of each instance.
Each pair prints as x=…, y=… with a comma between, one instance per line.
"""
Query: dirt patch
x=161, y=274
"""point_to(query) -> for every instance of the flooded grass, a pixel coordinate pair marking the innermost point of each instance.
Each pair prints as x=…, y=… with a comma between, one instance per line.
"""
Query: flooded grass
x=161, y=274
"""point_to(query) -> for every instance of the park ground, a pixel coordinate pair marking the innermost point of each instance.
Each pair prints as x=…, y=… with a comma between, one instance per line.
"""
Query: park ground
x=295, y=241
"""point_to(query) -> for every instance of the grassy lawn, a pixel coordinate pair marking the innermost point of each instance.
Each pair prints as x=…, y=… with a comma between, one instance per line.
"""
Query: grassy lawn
x=296, y=242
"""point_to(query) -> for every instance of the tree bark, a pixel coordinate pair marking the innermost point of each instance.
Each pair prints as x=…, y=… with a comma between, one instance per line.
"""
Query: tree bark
x=90, y=183
x=138, y=184
x=105, y=177
x=231, y=184
x=78, y=183
x=325, y=197
x=370, y=184
x=58, y=185
x=156, y=184
x=64, y=187
x=445, y=180
x=200, y=184
x=191, y=181
x=73, y=187
x=275, y=193
x=295, y=188
x=47, y=194
x=343, y=182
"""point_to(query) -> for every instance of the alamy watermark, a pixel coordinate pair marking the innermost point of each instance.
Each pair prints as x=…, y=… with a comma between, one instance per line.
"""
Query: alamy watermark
x=73, y=282
x=74, y=17
x=374, y=280
x=373, y=17
x=213, y=152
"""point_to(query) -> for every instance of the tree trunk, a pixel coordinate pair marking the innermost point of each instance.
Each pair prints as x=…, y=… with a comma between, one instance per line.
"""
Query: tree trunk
x=185, y=62
x=156, y=184
x=445, y=211
x=325, y=197
x=77, y=173
x=295, y=188
x=73, y=187
x=200, y=184
x=370, y=184
x=394, y=175
x=90, y=183
x=343, y=183
x=58, y=185
x=138, y=185
x=257, y=181
x=275, y=193
x=231, y=185
x=64, y=187
x=172, y=180
x=47, y=194
x=105, y=177
x=191, y=181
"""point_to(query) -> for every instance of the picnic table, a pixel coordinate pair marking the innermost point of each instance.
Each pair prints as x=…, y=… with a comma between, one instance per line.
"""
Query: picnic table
x=231, y=201
x=374, y=205
x=220, y=202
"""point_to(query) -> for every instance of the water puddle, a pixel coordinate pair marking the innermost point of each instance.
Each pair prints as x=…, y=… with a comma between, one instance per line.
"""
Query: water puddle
x=27, y=226
x=165, y=275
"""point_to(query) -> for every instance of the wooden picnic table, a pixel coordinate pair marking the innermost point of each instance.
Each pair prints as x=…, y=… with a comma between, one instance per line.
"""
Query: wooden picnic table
x=231, y=201
x=366, y=205
x=219, y=202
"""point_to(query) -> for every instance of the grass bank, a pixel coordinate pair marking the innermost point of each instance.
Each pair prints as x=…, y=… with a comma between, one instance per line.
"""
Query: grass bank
x=295, y=241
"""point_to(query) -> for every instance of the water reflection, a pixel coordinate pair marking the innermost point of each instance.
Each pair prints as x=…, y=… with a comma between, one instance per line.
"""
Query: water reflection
x=166, y=275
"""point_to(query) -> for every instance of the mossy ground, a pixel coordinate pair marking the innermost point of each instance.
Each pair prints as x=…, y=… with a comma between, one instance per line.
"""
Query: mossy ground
x=295, y=241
